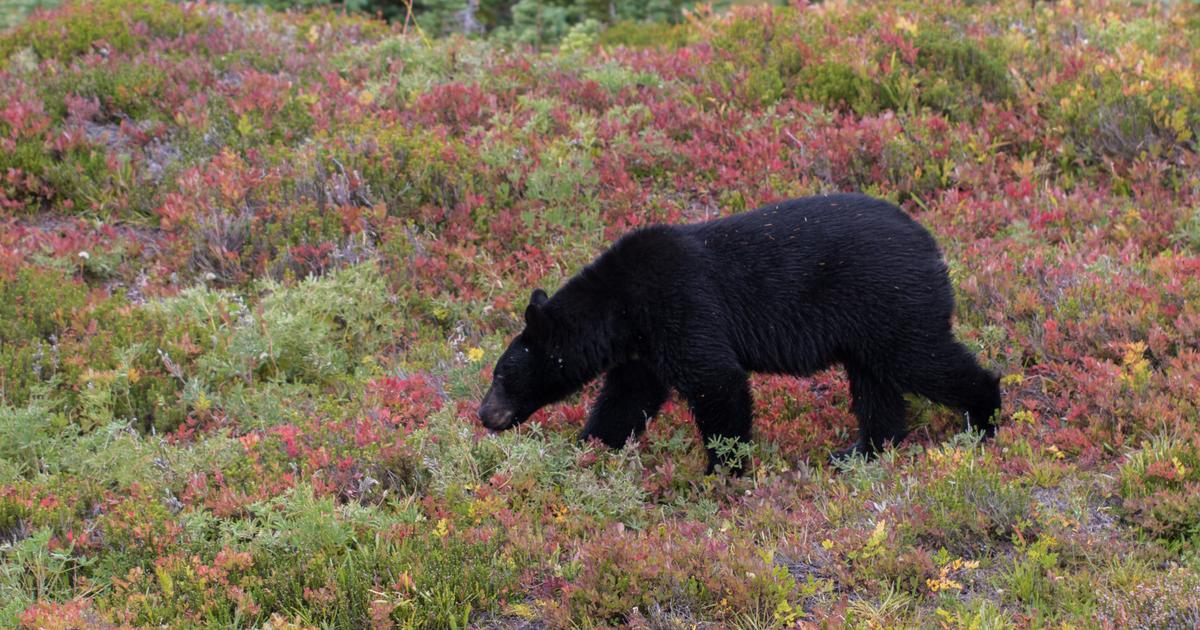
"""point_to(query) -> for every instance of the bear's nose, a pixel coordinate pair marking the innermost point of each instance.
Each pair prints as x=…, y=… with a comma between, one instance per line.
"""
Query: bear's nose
x=495, y=419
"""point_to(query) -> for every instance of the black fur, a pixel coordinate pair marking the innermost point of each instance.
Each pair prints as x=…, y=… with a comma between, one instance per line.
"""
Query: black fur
x=787, y=288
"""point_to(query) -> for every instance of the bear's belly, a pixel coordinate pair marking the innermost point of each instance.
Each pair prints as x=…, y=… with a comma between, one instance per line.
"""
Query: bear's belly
x=786, y=352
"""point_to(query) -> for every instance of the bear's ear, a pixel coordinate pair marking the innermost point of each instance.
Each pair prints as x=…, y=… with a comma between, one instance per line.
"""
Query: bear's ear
x=535, y=316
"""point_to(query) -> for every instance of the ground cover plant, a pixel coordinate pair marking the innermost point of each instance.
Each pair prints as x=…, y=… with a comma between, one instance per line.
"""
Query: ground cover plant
x=255, y=267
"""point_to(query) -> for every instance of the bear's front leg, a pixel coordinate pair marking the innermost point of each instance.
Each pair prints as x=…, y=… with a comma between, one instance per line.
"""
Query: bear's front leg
x=631, y=396
x=721, y=403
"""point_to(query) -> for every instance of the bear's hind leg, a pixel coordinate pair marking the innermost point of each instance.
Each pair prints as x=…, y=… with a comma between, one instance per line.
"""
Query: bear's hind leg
x=631, y=396
x=952, y=377
x=879, y=406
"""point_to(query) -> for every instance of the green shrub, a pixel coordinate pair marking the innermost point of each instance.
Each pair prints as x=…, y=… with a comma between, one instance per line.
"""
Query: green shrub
x=38, y=303
x=340, y=565
x=71, y=182
x=614, y=77
x=835, y=84
x=1159, y=484
x=1104, y=122
x=677, y=567
x=31, y=571
x=1163, y=462
x=406, y=169
x=1030, y=578
x=311, y=332
x=26, y=436
x=970, y=503
x=121, y=24
x=646, y=35
x=968, y=70
x=37, y=308
x=1187, y=232
x=755, y=61
x=203, y=343
x=125, y=90
x=391, y=9
x=13, y=11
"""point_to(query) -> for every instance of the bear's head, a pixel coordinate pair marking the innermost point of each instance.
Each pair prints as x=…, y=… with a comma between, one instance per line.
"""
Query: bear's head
x=529, y=375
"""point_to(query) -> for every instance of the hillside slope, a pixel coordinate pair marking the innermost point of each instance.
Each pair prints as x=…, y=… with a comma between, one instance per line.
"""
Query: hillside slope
x=255, y=267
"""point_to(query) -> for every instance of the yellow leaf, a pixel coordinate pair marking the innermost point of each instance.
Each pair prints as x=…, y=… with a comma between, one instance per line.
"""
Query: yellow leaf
x=1179, y=123
x=1025, y=416
x=244, y=126
x=524, y=611
x=202, y=402
x=1179, y=467
x=164, y=581
x=879, y=535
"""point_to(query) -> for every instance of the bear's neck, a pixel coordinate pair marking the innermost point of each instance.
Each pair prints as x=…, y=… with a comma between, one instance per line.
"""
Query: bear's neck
x=586, y=326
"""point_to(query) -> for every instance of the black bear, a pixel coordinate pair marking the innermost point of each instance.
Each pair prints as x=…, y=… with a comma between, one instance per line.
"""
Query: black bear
x=790, y=288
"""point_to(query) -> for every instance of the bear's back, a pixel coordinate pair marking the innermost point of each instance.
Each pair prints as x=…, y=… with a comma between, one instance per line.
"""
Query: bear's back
x=779, y=248
x=826, y=272
x=817, y=224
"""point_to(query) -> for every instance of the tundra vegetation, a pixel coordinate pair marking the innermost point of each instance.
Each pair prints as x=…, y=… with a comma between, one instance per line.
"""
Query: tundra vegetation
x=255, y=267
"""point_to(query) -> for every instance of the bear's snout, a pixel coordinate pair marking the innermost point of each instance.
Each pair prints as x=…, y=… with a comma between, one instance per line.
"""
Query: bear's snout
x=493, y=414
x=496, y=420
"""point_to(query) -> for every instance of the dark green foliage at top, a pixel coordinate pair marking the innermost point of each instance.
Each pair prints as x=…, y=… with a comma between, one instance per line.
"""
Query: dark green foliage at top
x=525, y=21
x=538, y=22
x=959, y=64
